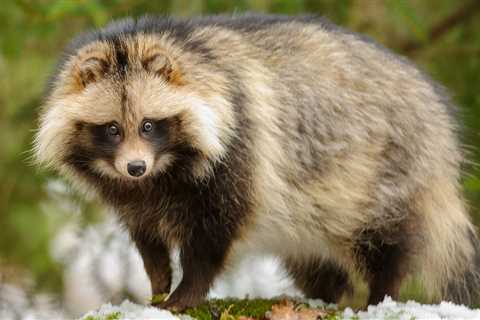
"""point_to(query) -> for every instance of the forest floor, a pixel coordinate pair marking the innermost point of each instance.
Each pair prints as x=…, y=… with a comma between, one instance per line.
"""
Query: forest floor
x=286, y=309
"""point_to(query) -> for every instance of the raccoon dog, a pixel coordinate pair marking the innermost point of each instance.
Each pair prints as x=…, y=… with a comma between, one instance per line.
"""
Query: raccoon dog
x=283, y=135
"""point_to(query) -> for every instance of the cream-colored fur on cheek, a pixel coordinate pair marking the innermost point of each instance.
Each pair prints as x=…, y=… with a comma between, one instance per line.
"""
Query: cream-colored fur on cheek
x=50, y=139
x=210, y=122
x=105, y=169
x=202, y=125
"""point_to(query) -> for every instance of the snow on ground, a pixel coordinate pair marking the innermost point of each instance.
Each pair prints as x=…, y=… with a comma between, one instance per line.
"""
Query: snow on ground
x=392, y=310
x=388, y=309
x=129, y=310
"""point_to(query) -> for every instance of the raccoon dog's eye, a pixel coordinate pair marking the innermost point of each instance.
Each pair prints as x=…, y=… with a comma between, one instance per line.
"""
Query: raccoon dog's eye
x=113, y=130
x=147, y=126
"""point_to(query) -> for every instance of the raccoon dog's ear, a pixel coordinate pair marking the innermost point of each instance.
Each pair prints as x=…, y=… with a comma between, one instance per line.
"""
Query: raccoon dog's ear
x=160, y=64
x=91, y=70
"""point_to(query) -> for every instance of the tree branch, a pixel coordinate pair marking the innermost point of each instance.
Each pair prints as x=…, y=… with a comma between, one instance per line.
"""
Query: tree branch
x=463, y=14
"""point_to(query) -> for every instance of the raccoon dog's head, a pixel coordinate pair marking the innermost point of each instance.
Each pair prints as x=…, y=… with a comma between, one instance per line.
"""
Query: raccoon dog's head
x=130, y=108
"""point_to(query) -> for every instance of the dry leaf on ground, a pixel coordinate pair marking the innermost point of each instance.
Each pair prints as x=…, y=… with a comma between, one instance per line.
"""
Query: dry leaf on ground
x=286, y=310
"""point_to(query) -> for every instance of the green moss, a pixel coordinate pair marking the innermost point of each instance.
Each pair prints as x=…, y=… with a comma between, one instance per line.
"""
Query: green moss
x=111, y=316
x=229, y=309
x=232, y=309
x=334, y=316
x=202, y=312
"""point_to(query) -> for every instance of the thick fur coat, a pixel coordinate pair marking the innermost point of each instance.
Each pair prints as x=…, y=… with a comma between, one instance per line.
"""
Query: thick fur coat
x=284, y=135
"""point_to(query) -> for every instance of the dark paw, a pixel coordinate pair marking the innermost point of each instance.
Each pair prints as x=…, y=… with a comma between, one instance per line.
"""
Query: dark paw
x=177, y=303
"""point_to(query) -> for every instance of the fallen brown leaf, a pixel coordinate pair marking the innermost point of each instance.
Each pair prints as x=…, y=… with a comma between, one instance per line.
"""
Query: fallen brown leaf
x=286, y=310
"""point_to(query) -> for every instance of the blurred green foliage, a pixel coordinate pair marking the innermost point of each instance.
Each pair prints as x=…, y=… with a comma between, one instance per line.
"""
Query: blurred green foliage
x=33, y=33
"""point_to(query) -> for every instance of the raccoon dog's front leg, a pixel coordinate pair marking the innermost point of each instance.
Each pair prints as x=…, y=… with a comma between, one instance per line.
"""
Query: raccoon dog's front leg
x=202, y=257
x=156, y=260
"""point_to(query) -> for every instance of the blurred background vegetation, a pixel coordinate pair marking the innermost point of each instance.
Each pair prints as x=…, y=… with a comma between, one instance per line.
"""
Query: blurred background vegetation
x=442, y=36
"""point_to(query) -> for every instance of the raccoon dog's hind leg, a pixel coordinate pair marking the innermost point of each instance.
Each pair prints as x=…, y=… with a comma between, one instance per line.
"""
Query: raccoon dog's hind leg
x=385, y=258
x=320, y=280
x=435, y=239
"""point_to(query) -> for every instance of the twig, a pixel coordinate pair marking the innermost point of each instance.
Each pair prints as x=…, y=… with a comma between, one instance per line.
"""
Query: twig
x=463, y=14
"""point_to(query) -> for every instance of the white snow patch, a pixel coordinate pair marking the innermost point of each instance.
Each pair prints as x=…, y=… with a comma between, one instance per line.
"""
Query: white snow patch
x=410, y=310
x=129, y=310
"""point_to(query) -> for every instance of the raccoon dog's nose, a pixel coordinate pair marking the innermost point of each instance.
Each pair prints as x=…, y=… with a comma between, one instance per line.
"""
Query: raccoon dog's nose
x=136, y=168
